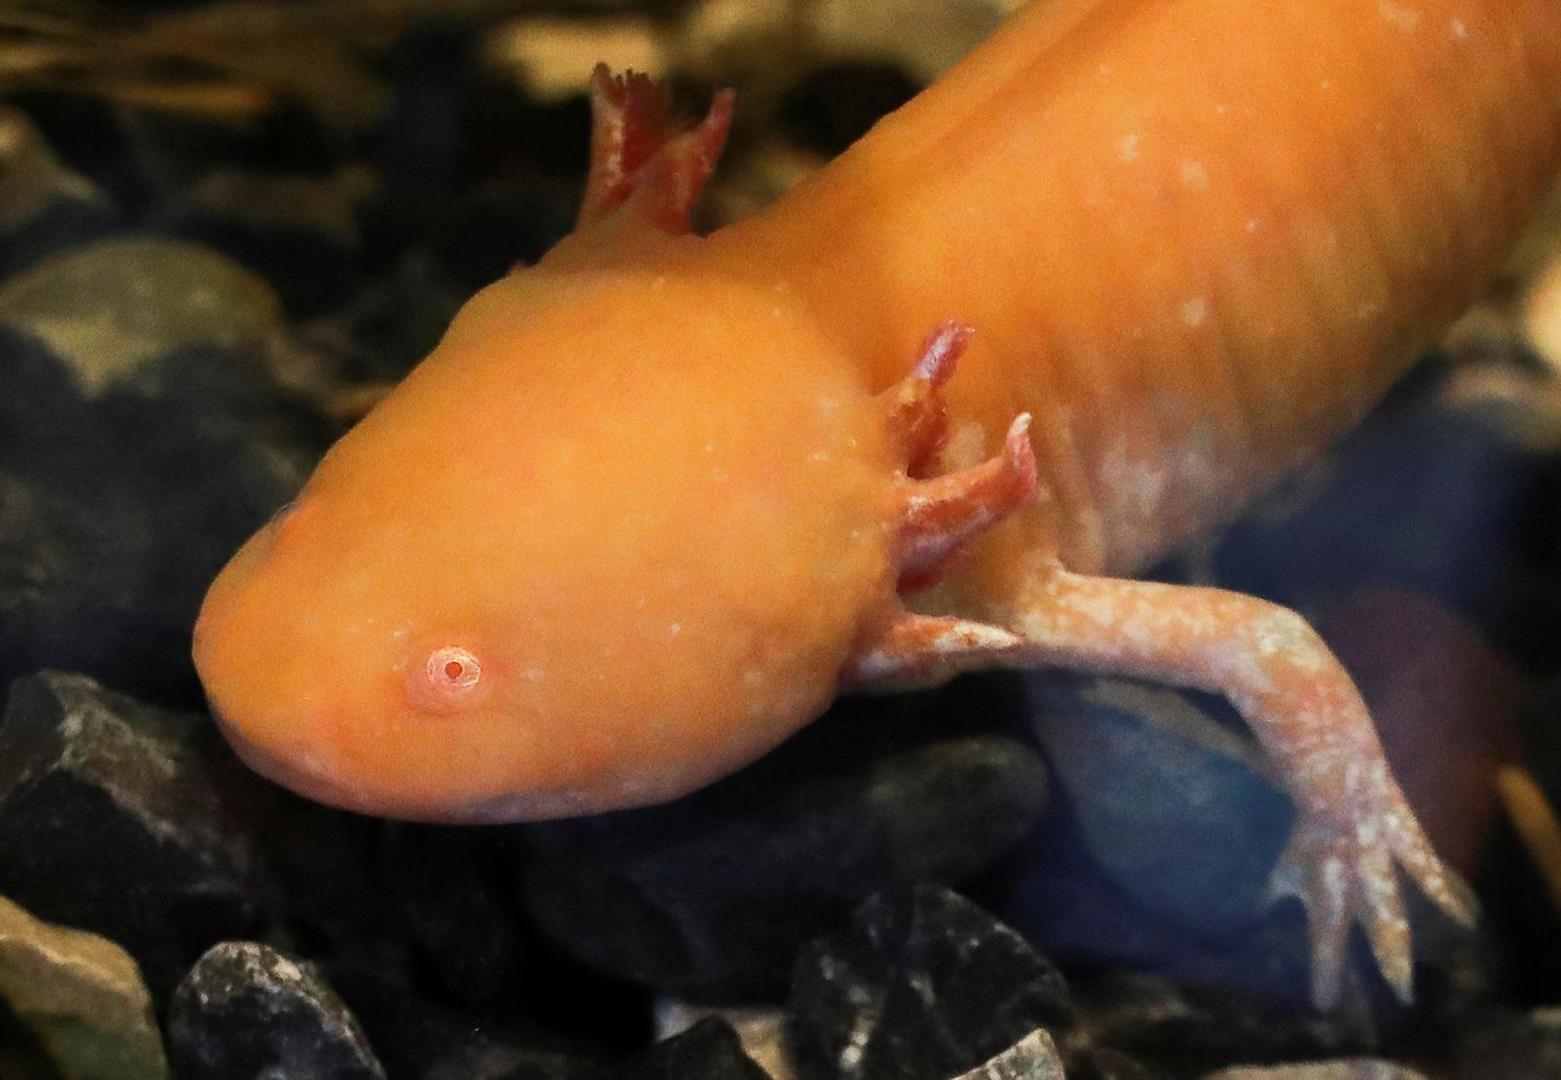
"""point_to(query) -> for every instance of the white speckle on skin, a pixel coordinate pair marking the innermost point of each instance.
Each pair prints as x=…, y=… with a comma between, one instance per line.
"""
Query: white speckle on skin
x=1195, y=176
x=674, y=630
x=966, y=446
x=1253, y=225
x=1129, y=147
x=1195, y=312
x=1405, y=18
x=1459, y=30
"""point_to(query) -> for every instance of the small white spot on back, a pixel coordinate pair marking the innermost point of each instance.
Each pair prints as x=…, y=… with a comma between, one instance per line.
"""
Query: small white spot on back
x=1195, y=312
x=1399, y=15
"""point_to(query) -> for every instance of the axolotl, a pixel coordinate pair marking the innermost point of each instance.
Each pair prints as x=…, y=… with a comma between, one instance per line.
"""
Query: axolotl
x=654, y=501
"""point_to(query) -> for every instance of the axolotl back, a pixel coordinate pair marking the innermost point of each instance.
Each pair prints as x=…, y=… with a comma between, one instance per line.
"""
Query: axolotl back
x=653, y=502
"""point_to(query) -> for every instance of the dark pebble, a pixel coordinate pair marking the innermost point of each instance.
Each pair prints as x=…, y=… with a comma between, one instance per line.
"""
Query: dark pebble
x=118, y=817
x=299, y=231
x=923, y=984
x=118, y=508
x=1033, y=1057
x=711, y=897
x=1519, y=1046
x=419, y=1039
x=833, y=106
x=246, y=1010
x=710, y=1050
x=1170, y=802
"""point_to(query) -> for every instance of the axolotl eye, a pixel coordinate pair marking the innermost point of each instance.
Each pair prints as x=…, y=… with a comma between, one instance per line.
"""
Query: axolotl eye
x=449, y=676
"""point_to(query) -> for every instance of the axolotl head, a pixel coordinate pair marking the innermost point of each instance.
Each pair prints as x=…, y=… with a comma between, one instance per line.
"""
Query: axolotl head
x=614, y=538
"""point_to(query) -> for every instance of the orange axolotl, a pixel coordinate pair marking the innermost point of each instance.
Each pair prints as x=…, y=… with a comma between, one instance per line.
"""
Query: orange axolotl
x=653, y=502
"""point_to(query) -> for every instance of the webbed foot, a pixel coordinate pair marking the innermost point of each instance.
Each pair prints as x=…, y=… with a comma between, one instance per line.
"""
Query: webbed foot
x=1342, y=866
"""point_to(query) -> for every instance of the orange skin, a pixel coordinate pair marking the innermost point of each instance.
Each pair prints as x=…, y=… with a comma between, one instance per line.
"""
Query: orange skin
x=653, y=502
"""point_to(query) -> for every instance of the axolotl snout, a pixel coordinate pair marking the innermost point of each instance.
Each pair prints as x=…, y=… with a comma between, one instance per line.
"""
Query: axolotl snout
x=551, y=606
x=653, y=502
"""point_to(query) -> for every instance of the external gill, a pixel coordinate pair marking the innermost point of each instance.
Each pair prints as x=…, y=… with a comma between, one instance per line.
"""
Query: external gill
x=640, y=153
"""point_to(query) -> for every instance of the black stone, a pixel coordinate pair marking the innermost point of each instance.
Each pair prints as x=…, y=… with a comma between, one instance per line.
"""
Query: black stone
x=299, y=231
x=710, y=1050
x=923, y=984
x=394, y=321
x=117, y=510
x=419, y=1039
x=834, y=105
x=119, y=818
x=452, y=895
x=1165, y=1030
x=1514, y=1046
x=714, y=894
x=1104, y=1063
x=246, y=1010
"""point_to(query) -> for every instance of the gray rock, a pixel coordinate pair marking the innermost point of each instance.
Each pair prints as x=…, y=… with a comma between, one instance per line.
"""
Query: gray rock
x=1033, y=1057
x=247, y=1010
x=419, y=1039
x=116, y=817
x=923, y=984
x=1164, y=1031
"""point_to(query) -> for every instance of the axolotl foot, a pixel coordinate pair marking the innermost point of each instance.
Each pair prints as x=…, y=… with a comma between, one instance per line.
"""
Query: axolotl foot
x=1354, y=826
x=1341, y=866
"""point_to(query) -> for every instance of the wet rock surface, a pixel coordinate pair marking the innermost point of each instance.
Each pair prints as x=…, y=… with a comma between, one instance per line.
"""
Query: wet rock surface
x=246, y=1009
x=116, y=817
x=923, y=984
x=196, y=274
x=1033, y=1057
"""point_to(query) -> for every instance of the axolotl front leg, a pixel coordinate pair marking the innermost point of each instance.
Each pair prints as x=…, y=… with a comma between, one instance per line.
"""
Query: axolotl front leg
x=1354, y=825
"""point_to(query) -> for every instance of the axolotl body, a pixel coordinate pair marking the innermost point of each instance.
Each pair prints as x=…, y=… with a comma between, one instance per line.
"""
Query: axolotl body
x=654, y=501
